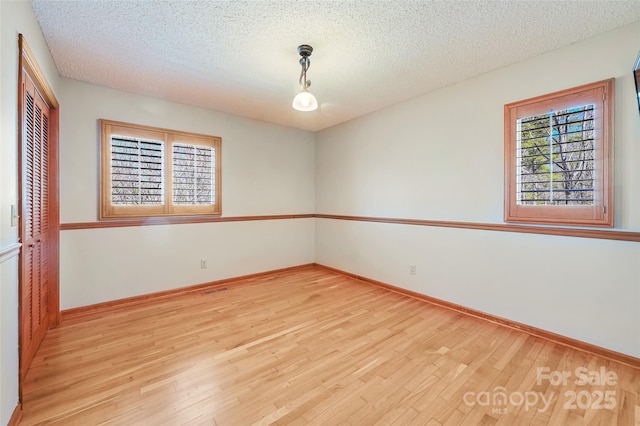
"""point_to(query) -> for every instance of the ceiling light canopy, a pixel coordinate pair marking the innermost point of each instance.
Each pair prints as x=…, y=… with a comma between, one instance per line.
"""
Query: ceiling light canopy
x=305, y=101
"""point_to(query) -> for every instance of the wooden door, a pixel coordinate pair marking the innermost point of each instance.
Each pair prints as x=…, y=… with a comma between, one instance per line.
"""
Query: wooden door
x=34, y=226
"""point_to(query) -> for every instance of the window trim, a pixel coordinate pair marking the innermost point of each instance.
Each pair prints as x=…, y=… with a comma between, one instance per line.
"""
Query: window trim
x=107, y=211
x=601, y=213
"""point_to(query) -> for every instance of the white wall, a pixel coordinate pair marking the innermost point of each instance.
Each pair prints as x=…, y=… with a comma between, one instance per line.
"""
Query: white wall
x=9, y=363
x=440, y=157
x=15, y=18
x=109, y=264
x=266, y=170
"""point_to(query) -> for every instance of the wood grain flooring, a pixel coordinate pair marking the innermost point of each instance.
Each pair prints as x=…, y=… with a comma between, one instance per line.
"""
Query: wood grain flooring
x=314, y=347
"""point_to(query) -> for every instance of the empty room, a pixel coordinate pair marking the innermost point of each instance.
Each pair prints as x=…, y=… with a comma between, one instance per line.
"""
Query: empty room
x=320, y=213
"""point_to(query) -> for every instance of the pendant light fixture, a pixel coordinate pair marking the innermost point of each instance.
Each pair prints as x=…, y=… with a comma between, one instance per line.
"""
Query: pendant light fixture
x=305, y=101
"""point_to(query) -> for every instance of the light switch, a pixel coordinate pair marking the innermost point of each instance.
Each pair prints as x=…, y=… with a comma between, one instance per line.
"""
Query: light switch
x=14, y=215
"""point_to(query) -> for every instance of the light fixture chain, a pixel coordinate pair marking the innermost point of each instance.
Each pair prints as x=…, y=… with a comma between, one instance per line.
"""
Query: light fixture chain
x=305, y=63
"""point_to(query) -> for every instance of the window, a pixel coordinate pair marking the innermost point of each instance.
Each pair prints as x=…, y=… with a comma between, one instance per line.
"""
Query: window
x=149, y=172
x=559, y=157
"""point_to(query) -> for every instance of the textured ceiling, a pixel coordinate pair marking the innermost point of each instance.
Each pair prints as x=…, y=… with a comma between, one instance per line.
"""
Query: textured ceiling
x=240, y=56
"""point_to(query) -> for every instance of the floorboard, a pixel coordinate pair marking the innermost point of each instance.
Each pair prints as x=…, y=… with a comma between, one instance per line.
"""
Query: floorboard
x=308, y=347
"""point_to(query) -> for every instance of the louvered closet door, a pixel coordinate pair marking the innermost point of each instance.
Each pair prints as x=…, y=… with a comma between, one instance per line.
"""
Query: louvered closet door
x=35, y=223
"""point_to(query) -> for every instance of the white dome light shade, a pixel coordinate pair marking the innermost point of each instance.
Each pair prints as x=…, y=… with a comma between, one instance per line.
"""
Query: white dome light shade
x=305, y=101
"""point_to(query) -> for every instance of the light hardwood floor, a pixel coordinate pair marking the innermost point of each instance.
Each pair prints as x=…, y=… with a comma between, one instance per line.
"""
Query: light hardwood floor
x=312, y=347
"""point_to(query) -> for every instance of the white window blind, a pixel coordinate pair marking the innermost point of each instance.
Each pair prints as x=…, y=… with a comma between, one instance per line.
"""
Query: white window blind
x=556, y=158
x=137, y=166
x=193, y=174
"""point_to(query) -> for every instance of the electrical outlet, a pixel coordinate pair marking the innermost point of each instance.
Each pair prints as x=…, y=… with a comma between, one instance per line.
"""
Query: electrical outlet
x=203, y=264
x=412, y=269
